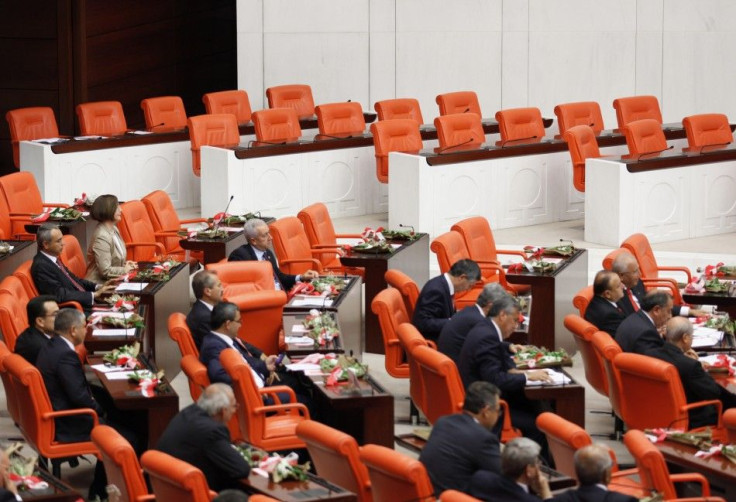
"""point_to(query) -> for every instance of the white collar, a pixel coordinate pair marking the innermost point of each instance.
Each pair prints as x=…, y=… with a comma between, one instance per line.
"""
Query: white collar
x=210, y=307
x=70, y=344
x=52, y=258
x=498, y=330
x=449, y=283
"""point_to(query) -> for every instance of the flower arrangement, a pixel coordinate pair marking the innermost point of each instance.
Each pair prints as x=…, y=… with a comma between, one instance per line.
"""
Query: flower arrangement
x=711, y=279
x=328, y=285
x=534, y=261
x=373, y=242
x=148, y=381
x=84, y=201
x=728, y=451
x=132, y=321
x=721, y=323
x=123, y=303
x=400, y=235
x=124, y=357
x=157, y=272
x=321, y=327
x=5, y=248
x=535, y=357
x=233, y=219
x=59, y=214
x=701, y=439
x=22, y=469
x=204, y=234
x=274, y=466
x=340, y=367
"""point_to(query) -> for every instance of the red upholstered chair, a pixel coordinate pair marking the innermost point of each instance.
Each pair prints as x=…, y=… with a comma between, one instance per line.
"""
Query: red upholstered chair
x=607, y=349
x=174, y=479
x=581, y=300
x=459, y=129
x=707, y=129
x=395, y=476
x=11, y=398
x=520, y=123
x=23, y=272
x=586, y=113
x=262, y=319
x=458, y=102
x=729, y=421
x=164, y=112
x=410, y=338
x=336, y=457
x=456, y=496
x=28, y=124
x=649, y=283
x=389, y=307
x=164, y=219
x=397, y=135
x=595, y=372
x=582, y=145
x=235, y=102
x=72, y=256
x=101, y=118
x=406, y=286
x=296, y=96
x=121, y=464
x=23, y=199
x=401, y=108
x=179, y=332
x=292, y=248
x=644, y=136
x=277, y=125
x=13, y=316
x=239, y=277
x=638, y=245
x=340, y=119
x=636, y=108
x=141, y=240
x=211, y=130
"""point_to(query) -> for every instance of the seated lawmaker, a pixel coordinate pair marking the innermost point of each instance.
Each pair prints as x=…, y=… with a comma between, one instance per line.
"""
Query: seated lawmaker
x=435, y=305
x=207, y=289
x=258, y=248
x=199, y=436
x=463, y=443
x=640, y=332
x=603, y=311
x=106, y=256
x=41, y=312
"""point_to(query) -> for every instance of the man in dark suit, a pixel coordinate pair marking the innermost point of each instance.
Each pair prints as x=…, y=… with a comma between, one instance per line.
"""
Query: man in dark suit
x=521, y=479
x=463, y=443
x=258, y=248
x=640, y=331
x=199, y=435
x=602, y=311
x=435, y=305
x=51, y=277
x=207, y=289
x=41, y=312
x=593, y=467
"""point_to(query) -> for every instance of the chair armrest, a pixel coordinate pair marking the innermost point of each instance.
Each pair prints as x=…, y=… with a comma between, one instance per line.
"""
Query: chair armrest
x=692, y=477
x=670, y=284
x=684, y=270
x=348, y=236
x=54, y=204
x=431, y=344
x=167, y=233
x=392, y=342
x=311, y=261
x=157, y=245
x=70, y=413
x=193, y=220
x=506, y=415
x=72, y=304
x=145, y=498
x=625, y=473
x=20, y=216
x=716, y=402
x=512, y=251
x=324, y=246
x=273, y=390
x=275, y=408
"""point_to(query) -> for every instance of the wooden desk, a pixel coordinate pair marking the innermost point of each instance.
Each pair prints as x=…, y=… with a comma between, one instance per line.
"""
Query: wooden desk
x=215, y=250
x=96, y=343
x=721, y=473
x=311, y=490
x=412, y=258
x=723, y=301
x=568, y=400
x=21, y=253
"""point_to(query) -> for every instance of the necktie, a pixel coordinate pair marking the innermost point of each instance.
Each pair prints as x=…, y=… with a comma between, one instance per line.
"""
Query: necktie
x=632, y=300
x=276, y=282
x=61, y=266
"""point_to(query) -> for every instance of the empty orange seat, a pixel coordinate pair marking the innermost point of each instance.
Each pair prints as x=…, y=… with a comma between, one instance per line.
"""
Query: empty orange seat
x=707, y=129
x=636, y=108
x=520, y=123
x=277, y=125
x=458, y=102
x=401, y=108
x=211, y=130
x=26, y=124
x=645, y=136
x=295, y=96
x=340, y=119
x=103, y=118
x=22, y=199
x=459, y=129
x=165, y=112
x=399, y=135
x=582, y=145
x=586, y=113
x=234, y=102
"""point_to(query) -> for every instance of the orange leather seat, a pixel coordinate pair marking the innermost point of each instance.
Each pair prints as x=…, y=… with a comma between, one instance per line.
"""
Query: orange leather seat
x=179, y=332
x=458, y=102
x=581, y=300
x=22, y=199
x=340, y=119
x=196, y=373
x=644, y=136
x=389, y=307
x=72, y=256
x=141, y=241
x=595, y=372
x=406, y=286
x=262, y=319
x=296, y=96
x=410, y=338
x=11, y=399
x=336, y=457
x=174, y=479
x=240, y=277
x=729, y=422
x=101, y=118
x=607, y=349
x=649, y=283
x=395, y=476
x=121, y=464
x=459, y=129
x=164, y=219
x=13, y=316
x=587, y=113
x=292, y=247
x=27, y=124
x=397, y=135
x=638, y=245
x=211, y=130
x=520, y=123
x=635, y=108
x=164, y=112
x=456, y=496
x=233, y=102
x=277, y=125
x=582, y=145
x=401, y=108
x=707, y=129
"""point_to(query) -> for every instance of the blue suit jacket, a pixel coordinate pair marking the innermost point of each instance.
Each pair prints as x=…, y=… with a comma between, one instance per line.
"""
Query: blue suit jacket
x=454, y=333
x=246, y=253
x=434, y=308
x=209, y=354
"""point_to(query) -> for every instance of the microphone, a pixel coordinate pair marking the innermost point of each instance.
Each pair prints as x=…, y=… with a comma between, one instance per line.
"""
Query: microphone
x=700, y=150
x=223, y=214
x=503, y=143
x=656, y=152
x=401, y=225
x=441, y=150
x=250, y=143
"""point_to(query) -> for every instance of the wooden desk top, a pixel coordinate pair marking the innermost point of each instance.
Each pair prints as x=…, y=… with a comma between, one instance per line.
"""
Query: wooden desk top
x=352, y=282
x=566, y=261
x=313, y=489
x=674, y=158
x=18, y=246
x=684, y=455
x=355, y=258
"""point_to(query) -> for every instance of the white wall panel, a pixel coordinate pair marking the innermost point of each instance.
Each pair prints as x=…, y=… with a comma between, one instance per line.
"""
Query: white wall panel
x=441, y=15
x=582, y=15
x=323, y=16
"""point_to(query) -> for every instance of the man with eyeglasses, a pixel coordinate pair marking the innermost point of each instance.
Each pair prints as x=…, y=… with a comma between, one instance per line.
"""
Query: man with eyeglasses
x=41, y=312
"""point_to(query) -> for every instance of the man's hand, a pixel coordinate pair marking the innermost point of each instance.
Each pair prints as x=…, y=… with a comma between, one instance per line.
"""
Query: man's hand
x=105, y=289
x=540, y=485
x=538, y=376
x=130, y=266
x=271, y=363
x=697, y=313
x=515, y=348
x=692, y=354
x=309, y=275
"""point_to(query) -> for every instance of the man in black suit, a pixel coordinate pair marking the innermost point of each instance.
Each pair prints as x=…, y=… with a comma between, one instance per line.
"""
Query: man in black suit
x=462, y=443
x=603, y=311
x=207, y=289
x=51, y=277
x=199, y=435
x=435, y=305
x=640, y=331
x=258, y=248
x=521, y=479
x=593, y=467
x=41, y=312
x=697, y=383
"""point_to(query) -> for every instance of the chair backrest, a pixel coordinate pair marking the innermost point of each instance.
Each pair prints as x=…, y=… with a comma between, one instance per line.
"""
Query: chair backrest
x=121, y=463
x=163, y=216
x=389, y=307
x=73, y=257
x=135, y=226
x=13, y=316
x=459, y=129
x=164, y=112
x=406, y=286
x=103, y=118
x=296, y=96
x=449, y=248
x=478, y=237
x=395, y=476
x=586, y=113
x=21, y=196
x=196, y=373
x=707, y=129
x=219, y=129
x=595, y=372
x=582, y=145
x=262, y=319
x=290, y=242
x=336, y=457
x=608, y=260
x=396, y=135
x=235, y=102
x=636, y=108
x=638, y=245
x=26, y=124
x=11, y=398
x=239, y=277
x=729, y=422
x=520, y=123
x=23, y=272
x=318, y=225
x=564, y=439
x=607, y=349
x=581, y=300
x=174, y=479
x=644, y=136
x=179, y=332
x=458, y=102
x=340, y=118
x=410, y=338
x=653, y=471
x=277, y=125
x=439, y=373
x=400, y=108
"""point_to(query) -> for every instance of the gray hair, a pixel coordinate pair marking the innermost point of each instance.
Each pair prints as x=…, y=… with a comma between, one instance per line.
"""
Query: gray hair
x=43, y=234
x=215, y=398
x=517, y=455
x=622, y=261
x=592, y=464
x=492, y=292
x=66, y=319
x=202, y=280
x=506, y=304
x=250, y=229
x=656, y=298
x=678, y=327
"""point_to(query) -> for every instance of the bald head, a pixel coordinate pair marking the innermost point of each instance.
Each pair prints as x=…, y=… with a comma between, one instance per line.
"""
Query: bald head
x=677, y=329
x=627, y=268
x=593, y=464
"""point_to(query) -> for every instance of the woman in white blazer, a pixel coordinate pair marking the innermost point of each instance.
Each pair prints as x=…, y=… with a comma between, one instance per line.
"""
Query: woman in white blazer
x=106, y=256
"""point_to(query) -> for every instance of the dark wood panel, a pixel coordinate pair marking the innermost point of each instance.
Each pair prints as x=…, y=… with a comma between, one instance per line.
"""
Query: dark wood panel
x=28, y=63
x=28, y=19
x=105, y=17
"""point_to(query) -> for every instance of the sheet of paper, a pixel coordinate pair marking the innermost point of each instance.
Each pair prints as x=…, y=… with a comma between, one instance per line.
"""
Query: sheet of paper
x=231, y=229
x=316, y=301
x=558, y=378
x=82, y=138
x=350, y=241
x=118, y=375
x=104, y=368
x=132, y=286
x=299, y=340
x=114, y=332
x=49, y=141
x=303, y=367
x=140, y=133
x=299, y=328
